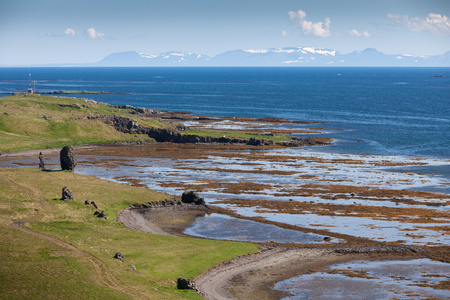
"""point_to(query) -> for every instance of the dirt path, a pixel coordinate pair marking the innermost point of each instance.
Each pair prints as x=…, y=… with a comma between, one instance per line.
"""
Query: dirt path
x=102, y=274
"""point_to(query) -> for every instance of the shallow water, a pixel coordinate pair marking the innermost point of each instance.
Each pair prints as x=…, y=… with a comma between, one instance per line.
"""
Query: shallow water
x=412, y=279
x=279, y=176
x=217, y=226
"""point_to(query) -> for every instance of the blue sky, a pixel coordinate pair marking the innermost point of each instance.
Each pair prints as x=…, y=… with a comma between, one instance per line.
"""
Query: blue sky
x=82, y=31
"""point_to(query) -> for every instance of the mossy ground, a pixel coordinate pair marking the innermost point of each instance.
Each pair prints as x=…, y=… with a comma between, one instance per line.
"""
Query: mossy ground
x=32, y=267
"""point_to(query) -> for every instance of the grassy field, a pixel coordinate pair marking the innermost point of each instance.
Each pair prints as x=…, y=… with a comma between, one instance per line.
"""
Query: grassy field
x=39, y=122
x=63, y=251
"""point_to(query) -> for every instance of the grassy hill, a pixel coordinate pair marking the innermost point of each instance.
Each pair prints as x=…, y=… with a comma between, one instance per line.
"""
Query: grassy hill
x=51, y=249
x=37, y=122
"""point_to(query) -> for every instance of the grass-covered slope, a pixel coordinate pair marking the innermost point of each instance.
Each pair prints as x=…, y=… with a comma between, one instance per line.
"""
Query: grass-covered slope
x=62, y=251
x=35, y=122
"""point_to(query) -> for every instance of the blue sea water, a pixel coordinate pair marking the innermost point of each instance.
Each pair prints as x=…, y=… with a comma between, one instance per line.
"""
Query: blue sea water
x=395, y=111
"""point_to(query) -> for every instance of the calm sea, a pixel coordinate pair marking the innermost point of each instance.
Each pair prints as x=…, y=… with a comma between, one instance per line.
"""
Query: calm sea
x=396, y=111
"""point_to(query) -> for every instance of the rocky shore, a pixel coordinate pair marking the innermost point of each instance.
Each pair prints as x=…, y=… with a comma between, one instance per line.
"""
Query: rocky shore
x=250, y=276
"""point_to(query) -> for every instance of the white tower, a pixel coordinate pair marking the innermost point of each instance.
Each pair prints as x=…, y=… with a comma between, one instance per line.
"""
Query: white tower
x=31, y=84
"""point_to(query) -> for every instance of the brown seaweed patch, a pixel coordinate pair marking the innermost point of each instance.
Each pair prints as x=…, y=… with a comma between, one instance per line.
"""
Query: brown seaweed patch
x=257, y=171
x=130, y=180
x=406, y=215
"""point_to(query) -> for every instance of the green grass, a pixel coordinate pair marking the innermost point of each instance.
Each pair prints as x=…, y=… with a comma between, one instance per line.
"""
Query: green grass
x=31, y=267
x=34, y=122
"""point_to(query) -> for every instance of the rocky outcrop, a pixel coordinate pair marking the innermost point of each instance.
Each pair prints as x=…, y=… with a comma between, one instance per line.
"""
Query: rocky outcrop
x=130, y=126
x=170, y=204
x=192, y=197
x=186, y=284
x=67, y=158
x=119, y=256
x=67, y=195
x=100, y=214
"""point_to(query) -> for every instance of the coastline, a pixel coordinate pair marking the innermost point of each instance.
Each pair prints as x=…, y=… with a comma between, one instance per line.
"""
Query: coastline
x=252, y=276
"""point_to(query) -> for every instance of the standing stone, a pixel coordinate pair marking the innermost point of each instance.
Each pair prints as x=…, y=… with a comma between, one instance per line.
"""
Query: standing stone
x=41, y=162
x=67, y=158
x=67, y=194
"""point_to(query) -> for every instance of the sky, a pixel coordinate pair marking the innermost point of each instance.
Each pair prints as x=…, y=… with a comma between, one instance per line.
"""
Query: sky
x=85, y=31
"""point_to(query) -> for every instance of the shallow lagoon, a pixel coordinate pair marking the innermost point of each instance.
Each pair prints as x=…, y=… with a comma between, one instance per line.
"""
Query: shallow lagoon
x=217, y=226
x=413, y=279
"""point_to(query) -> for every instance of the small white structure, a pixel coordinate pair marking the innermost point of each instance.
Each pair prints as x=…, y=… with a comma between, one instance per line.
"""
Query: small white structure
x=31, y=85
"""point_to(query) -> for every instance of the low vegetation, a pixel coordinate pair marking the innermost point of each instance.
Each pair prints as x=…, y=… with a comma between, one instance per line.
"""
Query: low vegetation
x=63, y=251
x=39, y=122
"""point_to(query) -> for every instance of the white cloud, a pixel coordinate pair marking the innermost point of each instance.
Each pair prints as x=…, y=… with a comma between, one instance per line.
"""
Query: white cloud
x=69, y=32
x=94, y=34
x=435, y=23
x=356, y=33
x=284, y=33
x=321, y=29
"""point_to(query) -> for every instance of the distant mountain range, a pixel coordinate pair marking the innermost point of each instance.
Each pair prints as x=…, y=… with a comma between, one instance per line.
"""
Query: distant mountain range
x=292, y=56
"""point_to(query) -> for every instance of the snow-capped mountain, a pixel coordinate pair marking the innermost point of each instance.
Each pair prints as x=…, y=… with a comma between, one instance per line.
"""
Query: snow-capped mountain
x=135, y=58
x=292, y=56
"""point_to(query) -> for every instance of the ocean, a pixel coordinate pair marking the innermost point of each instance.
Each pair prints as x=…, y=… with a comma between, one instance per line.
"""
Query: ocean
x=392, y=111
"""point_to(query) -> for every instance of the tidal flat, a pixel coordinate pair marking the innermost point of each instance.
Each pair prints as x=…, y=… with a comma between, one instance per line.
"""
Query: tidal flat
x=292, y=197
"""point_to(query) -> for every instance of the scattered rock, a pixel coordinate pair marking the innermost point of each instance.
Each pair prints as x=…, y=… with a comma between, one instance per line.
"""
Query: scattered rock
x=94, y=204
x=119, y=256
x=100, y=214
x=67, y=195
x=41, y=162
x=186, y=284
x=87, y=202
x=192, y=197
x=67, y=158
x=327, y=239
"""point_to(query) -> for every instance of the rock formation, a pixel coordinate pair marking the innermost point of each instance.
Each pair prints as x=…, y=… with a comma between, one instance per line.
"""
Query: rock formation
x=100, y=214
x=67, y=158
x=192, y=197
x=119, y=256
x=67, y=194
x=186, y=284
x=41, y=162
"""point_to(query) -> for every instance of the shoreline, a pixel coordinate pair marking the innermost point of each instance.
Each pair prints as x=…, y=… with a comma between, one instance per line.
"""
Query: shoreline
x=252, y=276
x=255, y=274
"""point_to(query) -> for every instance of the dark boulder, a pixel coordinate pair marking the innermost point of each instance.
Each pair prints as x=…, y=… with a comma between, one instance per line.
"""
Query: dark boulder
x=67, y=158
x=67, y=195
x=87, y=202
x=119, y=256
x=102, y=215
x=186, y=284
x=192, y=197
x=94, y=204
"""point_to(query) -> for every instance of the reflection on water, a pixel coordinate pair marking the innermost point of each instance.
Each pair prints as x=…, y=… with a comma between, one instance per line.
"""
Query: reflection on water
x=217, y=226
x=414, y=279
